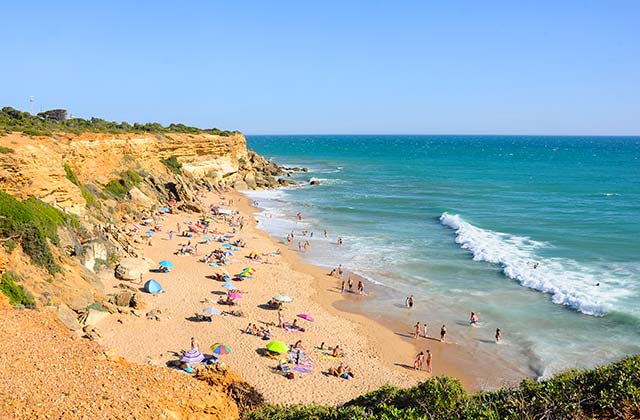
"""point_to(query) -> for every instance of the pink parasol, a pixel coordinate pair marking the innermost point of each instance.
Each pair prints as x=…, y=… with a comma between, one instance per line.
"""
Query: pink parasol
x=305, y=316
x=235, y=295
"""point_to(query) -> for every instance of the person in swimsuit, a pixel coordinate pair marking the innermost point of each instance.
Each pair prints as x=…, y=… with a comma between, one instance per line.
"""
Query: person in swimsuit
x=429, y=361
x=417, y=364
x=417, y=330
x=408, y=302
x=443, y=333
x=473, y=320
x=424, y=326
x=498, y=335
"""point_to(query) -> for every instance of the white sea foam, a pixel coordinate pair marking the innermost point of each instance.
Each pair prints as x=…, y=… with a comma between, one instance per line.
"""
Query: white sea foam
x=567, y=281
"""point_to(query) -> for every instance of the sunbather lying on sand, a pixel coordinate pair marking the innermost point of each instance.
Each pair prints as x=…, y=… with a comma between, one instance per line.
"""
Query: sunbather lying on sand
x=237, y=313
x=342, y=370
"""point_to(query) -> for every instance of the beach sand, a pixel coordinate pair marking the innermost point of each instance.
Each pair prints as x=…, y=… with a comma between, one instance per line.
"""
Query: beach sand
x=378, y=353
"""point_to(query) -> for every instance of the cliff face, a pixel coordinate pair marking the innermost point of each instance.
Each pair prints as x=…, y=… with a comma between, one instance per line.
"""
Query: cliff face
x=35, y=167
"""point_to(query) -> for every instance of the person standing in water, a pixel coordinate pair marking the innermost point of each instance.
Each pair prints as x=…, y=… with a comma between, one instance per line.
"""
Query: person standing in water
x=498, y=335
x=443, y=333
x=350, y=284
x=473, y=320
x=340, y=241
x=408, y=302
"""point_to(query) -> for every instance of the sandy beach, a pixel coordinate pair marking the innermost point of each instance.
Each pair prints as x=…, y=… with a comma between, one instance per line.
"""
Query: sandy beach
x=378, y=353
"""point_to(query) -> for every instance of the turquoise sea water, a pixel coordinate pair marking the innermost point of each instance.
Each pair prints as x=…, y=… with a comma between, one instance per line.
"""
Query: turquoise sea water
x=539, y=235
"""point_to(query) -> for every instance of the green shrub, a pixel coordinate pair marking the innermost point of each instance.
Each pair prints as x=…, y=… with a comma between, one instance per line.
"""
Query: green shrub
x=173, y=164
x=611, y=391
x=17, y=294
x=31, y=223
x=117, y=188
x=71, y=176
x=6, y=150
x=49, y=122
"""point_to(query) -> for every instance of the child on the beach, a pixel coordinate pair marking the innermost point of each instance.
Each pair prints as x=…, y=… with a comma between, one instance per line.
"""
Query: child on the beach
x=417, y=364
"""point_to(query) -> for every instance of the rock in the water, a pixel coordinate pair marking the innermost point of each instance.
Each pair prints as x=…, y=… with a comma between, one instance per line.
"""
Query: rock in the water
x=132, y=268
x=285, y=182
x=314, y=182
x=68, y=317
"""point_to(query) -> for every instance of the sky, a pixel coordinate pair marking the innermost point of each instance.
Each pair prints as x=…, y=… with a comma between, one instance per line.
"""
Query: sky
x=302, y=67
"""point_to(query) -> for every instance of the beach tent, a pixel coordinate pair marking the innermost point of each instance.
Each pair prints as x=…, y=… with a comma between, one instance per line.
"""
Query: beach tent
x=153, y=287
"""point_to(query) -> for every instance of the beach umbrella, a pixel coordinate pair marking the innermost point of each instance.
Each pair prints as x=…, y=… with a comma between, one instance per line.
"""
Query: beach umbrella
x=282, y=298
x=153, y=287
x=219, y=348
x=229, y=286
x=192, y=356
x=235, y=295
x=228, y=254
x=211, y=311
x=166, y=264
x=165, y=209
x=207, y=239
x=172, y=202
x=305, y=316
x=277, y=346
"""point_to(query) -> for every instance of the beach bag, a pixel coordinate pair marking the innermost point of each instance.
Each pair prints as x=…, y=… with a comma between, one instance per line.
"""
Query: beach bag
x=290, y=375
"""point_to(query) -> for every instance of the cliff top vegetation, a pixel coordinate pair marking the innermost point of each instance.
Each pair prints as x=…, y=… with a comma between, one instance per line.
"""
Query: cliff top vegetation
x=56, y=121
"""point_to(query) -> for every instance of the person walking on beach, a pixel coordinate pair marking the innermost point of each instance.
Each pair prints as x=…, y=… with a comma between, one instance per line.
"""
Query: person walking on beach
x=325, y=233
x=417, y=364
x=280, y=318
x=429, y=361
x=170, y=235
x=360, y=287
x=443, y=333
x=350, y=284
x=408, y=302
x=342, y=287
x=498, y=335
x=416, y=334
x=424, y=326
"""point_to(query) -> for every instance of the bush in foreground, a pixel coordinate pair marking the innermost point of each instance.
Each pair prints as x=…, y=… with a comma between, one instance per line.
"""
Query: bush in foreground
x=606, y=392
x=17, y=294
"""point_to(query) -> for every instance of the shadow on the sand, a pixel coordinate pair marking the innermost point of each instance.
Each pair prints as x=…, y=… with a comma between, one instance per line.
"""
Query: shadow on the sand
x=486, y=341
x=406, y=335
x=219, y=293
x=402, y=365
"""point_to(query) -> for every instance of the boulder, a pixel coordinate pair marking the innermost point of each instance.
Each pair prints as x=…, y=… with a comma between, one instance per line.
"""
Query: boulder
x=250, y=179
x=68, y=317
x=240, y=186
x=123, y=298
x=92, y=317
x=314, y=182
x=91, y=252
x=79, y=300
x=132, y=268
x=138, y=301
x=141, y=198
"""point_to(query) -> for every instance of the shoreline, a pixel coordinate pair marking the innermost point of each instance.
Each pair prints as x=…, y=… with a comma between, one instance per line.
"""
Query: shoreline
x=450, y=359
x=376, y=351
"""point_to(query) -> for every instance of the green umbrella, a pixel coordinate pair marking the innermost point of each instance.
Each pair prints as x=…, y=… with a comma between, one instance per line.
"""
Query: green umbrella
x=282, y=298
x=277, y=346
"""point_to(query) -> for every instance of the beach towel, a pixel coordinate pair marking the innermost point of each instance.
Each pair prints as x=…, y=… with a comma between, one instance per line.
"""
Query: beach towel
x=329, y=357
x=302, y=369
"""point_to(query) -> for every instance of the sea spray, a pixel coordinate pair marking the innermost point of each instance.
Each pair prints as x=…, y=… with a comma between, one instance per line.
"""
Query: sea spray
x=569, y=283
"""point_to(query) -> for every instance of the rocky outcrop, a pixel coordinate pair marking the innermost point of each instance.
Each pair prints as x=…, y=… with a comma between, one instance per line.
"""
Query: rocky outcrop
x=132, y=268
x=36, y=165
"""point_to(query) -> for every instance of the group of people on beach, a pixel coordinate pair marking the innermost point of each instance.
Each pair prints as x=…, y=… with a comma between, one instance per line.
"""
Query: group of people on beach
x=474, y=321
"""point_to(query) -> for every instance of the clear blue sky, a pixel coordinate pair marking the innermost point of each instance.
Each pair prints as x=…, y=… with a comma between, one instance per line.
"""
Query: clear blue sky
x=477, y=66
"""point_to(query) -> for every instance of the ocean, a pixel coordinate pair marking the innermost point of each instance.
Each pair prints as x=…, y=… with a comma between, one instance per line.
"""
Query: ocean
x=538, y=235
